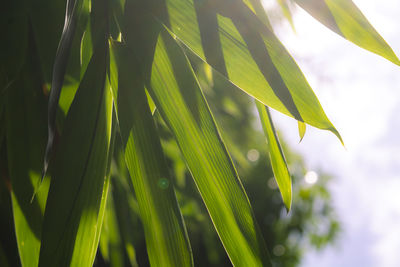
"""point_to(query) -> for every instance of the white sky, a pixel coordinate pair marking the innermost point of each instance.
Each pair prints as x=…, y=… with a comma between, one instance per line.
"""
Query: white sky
x=360, y=93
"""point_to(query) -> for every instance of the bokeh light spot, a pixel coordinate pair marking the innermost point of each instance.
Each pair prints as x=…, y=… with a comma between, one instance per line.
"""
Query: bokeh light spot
x=278, y=250
x=253, y=155
x=311, y=177
x=163, y=183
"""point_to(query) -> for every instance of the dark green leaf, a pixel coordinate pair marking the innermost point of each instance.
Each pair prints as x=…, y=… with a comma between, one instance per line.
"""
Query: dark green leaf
x=73, y=10
x=166, y=238
x=78, y=190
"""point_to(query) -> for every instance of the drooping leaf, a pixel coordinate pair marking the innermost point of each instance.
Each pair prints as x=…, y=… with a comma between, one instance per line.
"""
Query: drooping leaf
x=278, y=161
x=111, y=246
x=79, y=182
x=181, y=103
x=126, y=208
x=166, y=238
x=286, y=11
x=302, y=130
x=276, y=80
x=25, y=113
x=213, y=52
x=344, y=18
x=73, y=10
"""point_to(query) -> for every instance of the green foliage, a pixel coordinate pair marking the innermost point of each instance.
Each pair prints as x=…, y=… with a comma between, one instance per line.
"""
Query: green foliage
x=195, y=63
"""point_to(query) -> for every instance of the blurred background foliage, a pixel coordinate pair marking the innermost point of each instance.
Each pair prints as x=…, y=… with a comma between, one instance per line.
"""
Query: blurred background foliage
x=311, y=224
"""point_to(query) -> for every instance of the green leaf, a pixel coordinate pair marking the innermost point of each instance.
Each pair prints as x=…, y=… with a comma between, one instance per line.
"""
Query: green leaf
x=73, y=10
x=13, y=48
x=111, y=246
x=344, y=18
x=79, y=182
x=213, y=52
x=25, y=113
x=267, y=72
x=278, y=161
x=302, y=130
x=181, y=103
x=166, y=238
x=126, y=208
x=286, y=11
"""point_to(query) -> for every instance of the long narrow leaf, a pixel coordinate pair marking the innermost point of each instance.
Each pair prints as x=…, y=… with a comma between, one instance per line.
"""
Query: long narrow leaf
x=213, y=52
x=78, y=188
x=72, y=13
x=166, y=237
x=344, y=18
x=278, y=161
x=181, y=103
x=256, y=79
x=302, y=130
x=25, y=112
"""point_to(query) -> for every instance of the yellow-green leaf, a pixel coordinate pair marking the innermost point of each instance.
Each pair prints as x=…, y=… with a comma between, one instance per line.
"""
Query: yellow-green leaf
x=302, y=130
x=181, y=103
x=79, y=186
x=278, y=161
x=166, y=238
x=344, y=18
x=275, y=79
x=25, y=119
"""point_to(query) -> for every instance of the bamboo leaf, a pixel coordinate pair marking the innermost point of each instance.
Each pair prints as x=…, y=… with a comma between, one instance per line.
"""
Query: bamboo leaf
x=181, y=103
x=111, y=246
x=25, y=112
x=166, y=238
x=213, y=52
x=126, y=208
x=73, y=10
x=302, y=130
x=286, y=12
x=79, y=182
x=344, y=18
x=278, y=161
x=276, y=80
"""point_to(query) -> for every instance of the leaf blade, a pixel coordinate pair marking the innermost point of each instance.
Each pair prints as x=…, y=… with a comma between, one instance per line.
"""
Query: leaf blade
x=344, y=18
x=166, y=238
x=73, y=10
x=278, y=161
x=188, y=116
x=79, y=185
x=242, y=69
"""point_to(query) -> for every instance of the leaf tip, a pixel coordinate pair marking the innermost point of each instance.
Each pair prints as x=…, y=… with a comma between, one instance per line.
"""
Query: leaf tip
x=335, y=132
x=302, y=130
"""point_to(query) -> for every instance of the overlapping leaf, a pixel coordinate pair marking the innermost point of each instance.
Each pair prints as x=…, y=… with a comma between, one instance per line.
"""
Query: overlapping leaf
x=78, y=189
x=73, y=10
x=181, y=103
x=166, y=239
x=25, y=113
x=255, y=59
x=208, y=27
x=344, y=18
x=278, y=161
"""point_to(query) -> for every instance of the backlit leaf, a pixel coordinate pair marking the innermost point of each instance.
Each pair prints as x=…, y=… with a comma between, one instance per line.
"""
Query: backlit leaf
x=344, y=18
x=181, y=103
x=79, y=186
x=166, y=238
x=278, y=161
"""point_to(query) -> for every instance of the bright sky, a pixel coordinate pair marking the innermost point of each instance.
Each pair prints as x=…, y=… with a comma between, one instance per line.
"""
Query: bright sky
x=360, y=93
